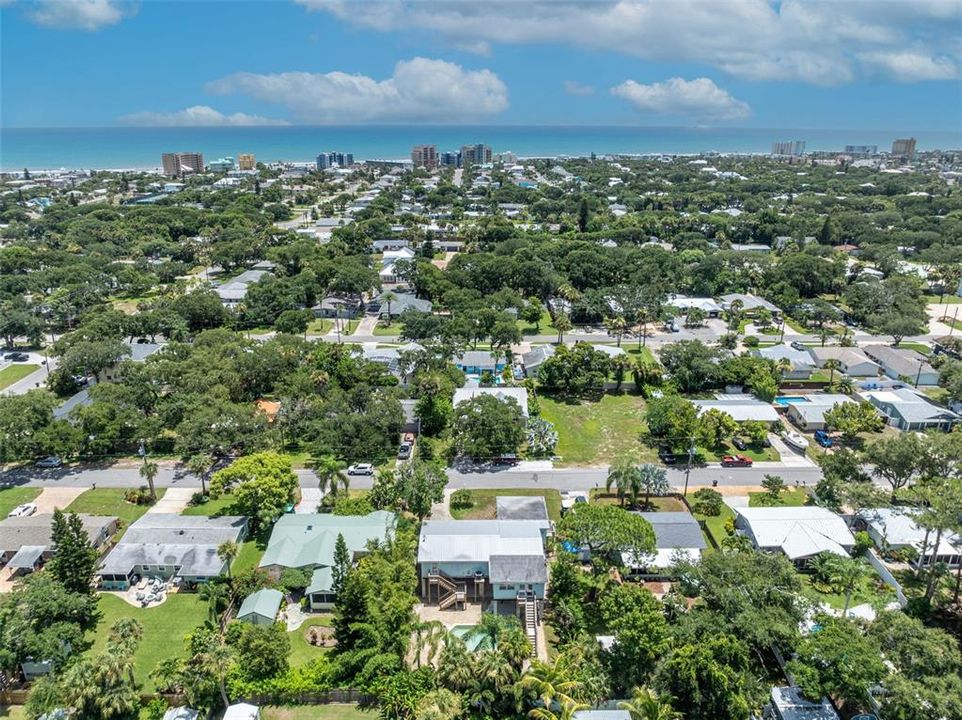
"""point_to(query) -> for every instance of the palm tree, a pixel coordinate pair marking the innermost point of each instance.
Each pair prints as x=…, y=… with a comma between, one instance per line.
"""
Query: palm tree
x=491, y=627
x=428, y=636
x=199, y=465
x=439, y=705
x=846, y=385
x=620, y=365
x=735, y=314
x=646, y=704
x=227, y=551
x=846, y=574
x=552, y=686
x=218, y=662
x=562, y=324
x=565, y=712
x=653, y=479
x=387, y=298
x=148, y=471
x=215, y=595
x=616, y=326
x=832, y=366
x=642, y=318
x=623, y=475
x=330, y=473
x=783, y=365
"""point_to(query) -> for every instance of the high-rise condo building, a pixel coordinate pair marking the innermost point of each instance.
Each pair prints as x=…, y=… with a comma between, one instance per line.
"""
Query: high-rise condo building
x=330, y=159
x=861, y=149
x=475, y=155
x=788, y=147
x=246, y=161
x=425, y=156
x=181, y=163
x=904, y=147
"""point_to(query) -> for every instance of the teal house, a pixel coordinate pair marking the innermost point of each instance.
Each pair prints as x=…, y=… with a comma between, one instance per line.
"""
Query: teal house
x=307, y=542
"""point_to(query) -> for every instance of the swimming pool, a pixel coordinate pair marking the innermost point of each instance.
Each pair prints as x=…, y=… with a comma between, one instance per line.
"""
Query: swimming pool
x=472, y=640
x=790, y=400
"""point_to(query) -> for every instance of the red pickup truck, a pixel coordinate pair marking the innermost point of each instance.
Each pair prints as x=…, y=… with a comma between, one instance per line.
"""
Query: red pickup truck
x=736, y=461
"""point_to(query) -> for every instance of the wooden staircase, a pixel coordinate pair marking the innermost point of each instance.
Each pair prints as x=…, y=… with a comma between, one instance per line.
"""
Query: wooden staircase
x=530, y=610
x=449, y=592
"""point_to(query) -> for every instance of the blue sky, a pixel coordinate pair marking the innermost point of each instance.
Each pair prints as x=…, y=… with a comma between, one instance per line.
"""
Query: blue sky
x=745, y=63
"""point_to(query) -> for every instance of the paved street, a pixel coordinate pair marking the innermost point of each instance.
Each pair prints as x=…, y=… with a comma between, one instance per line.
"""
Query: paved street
x=176, y=476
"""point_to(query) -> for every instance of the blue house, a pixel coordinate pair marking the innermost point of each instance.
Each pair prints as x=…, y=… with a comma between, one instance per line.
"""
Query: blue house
x=475, y=362
x=463, y=561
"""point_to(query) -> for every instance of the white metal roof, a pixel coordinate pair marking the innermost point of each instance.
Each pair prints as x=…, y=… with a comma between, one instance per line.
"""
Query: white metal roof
x=478, y=540
x=799, y=532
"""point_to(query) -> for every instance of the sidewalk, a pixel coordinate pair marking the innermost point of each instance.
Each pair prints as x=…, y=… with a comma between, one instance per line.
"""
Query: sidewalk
x=366, y=326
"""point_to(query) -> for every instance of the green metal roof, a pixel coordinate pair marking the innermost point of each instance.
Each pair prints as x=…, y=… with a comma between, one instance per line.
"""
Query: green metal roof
x=307, y=541
x=265, y=602
x=322, y=581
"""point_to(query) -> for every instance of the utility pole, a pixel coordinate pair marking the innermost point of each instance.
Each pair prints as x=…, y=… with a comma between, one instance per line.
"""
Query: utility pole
x=918, y=375
x=954, y=321
x=691, y=456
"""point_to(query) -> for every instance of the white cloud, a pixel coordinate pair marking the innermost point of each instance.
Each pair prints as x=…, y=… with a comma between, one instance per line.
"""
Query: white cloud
x=573, y=87
x=912, y=66
x=813, y=41
x=698, y=99
x=197, y=116
x=78, y=14
x=419, y=89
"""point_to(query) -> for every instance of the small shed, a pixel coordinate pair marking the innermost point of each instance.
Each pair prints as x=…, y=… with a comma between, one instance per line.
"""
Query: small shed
x=261, y=607
x=181, y=713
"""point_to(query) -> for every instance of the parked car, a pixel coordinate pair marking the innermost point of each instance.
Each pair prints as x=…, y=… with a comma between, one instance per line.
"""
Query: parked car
x=667, y=456
x=506, y=459
x=824, y=439
x=361, y=469
x=739, y=443
x=51, y=461
x=736, y=461
x=25, y=510
x=17, y=357
x=799, y=345
x=404, y=451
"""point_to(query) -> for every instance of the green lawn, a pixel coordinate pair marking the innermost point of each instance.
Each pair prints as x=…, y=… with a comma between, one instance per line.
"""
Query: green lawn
x=755, y=452
x=9, y=375
x=251, y=550
x=643, y=353
x=319, y=326
x=715, y=524
x=214, y=507
x=483, y=508
x=109, y=501
x=937, y=394
x=871, y=590
x=544, y=326
x=249, y=555
x=947, y=299
x=332, y=711
x=392, y=330
x=164, y=628
x=788, y=498
x=12, y=712
x=11, y=497
x=661, y=504
x=302, y=652
x=951, y=322
x=595, y=432
x=918, y=347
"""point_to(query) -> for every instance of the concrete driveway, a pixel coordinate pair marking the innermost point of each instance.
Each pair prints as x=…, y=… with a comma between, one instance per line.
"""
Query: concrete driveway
x=51, y=498
x=174, y=501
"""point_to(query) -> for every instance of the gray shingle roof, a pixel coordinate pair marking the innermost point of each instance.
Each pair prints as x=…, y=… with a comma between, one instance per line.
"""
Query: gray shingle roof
x=675, y=530
x=521, y=507
x=36, y=529
x=517, y=569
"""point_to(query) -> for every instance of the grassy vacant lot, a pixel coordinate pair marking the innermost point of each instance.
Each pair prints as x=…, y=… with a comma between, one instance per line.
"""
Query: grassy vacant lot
x=319, y=326
x=11, y=497
x=715, y=525
x=9, y=375
x=544, y=326
x=303, y=652
x=483, y=507
x=334, y=711
x=596, y=432
x=661, y=504
x=109, y=501
x=789, y=498
x=164, y=628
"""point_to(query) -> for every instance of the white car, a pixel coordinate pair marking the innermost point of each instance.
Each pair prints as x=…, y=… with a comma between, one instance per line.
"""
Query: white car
x=361, y=469
x=25, y=510
x=49, y=462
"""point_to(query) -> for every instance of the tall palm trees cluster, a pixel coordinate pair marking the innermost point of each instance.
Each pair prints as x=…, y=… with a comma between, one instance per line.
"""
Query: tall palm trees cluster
x=631, y=481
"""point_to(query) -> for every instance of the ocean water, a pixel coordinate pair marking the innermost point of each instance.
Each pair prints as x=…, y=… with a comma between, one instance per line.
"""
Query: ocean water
x=129, y=147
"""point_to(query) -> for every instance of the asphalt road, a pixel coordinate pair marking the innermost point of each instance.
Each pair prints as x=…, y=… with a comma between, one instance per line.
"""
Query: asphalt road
x=171, y=475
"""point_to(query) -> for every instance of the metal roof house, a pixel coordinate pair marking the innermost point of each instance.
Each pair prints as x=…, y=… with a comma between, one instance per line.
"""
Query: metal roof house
x=507, y=555
x=802, y=365
x=896, y=528
x=25, y=542
x=533, y=359
x=750, y=303
x=475, y=362
x=677, y=534
x=741, y=407
x=788, y=703
x=261, y=607
x=168, y=545
x=401, y=303
x=909, y=411
x=708, y=306
x=307, y=542
x=810, y=414
x=800, y=533
x=233, y=292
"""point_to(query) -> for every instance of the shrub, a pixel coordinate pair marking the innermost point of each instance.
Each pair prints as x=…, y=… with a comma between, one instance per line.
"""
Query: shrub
x=707, y=502
x=730, y=526
x=139, y=496
x=345, y=505
x=155, y=709
x=294, y=579
x=863, y=543
x=750, y=341
x=461, y=498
